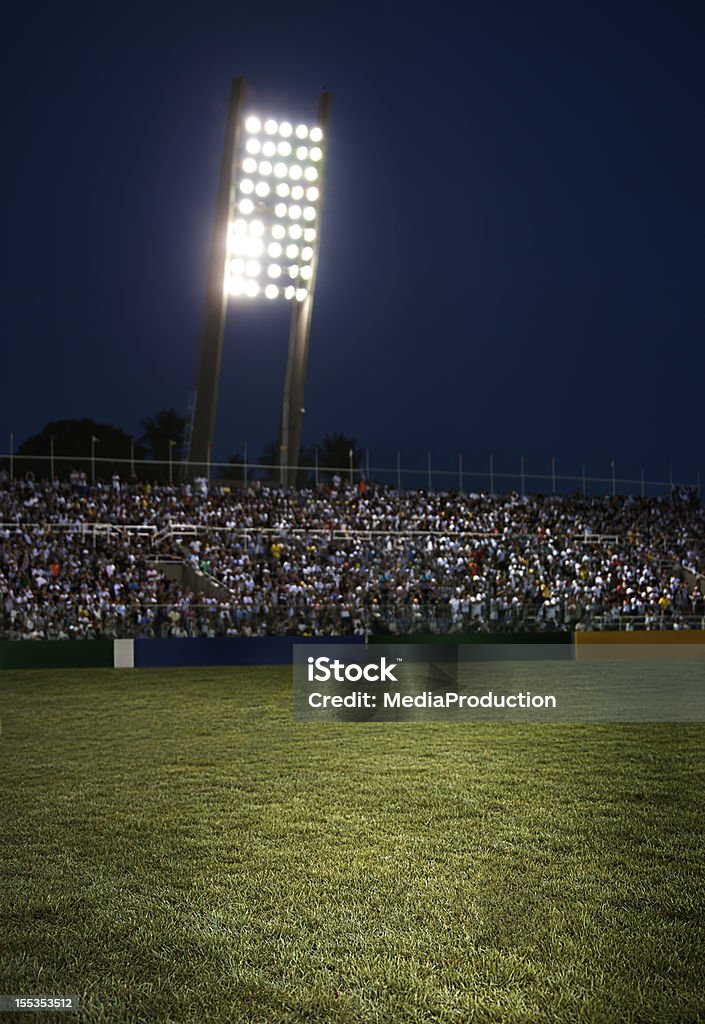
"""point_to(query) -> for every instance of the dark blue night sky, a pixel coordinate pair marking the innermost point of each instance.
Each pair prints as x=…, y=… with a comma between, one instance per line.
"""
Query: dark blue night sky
x=512, y=251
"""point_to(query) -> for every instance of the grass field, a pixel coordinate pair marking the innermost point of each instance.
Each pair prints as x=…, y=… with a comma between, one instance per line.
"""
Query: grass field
x=175, y=848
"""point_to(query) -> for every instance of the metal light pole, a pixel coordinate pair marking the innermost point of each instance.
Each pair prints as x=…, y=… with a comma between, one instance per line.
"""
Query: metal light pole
x=206, y=401
x=93, y=443
x=299, y=334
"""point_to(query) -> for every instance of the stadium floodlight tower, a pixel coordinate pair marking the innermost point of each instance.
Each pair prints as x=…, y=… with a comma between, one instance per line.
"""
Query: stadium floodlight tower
x=265, y=247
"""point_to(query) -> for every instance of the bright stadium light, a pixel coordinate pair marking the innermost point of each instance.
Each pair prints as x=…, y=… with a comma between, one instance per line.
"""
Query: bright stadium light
x=265, y=167
x=265, y=246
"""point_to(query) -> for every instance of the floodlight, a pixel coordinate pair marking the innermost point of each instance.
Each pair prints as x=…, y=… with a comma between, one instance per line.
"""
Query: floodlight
x=287, y=154
x=267, y=203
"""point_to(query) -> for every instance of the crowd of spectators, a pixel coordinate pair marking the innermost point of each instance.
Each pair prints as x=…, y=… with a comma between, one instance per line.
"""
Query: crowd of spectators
x=130, y=559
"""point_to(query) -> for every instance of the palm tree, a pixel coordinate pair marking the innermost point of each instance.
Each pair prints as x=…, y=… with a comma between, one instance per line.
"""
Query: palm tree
x=339, y=453
x=165, y=430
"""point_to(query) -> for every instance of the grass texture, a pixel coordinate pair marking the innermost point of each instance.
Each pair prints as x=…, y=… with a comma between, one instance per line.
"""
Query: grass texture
x=176, y=849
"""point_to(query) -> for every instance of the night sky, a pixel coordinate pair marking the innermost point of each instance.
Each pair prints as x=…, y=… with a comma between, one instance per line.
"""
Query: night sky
x=513, y=224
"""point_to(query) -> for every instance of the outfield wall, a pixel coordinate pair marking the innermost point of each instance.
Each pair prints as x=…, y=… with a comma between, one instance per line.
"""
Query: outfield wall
x=277, y=650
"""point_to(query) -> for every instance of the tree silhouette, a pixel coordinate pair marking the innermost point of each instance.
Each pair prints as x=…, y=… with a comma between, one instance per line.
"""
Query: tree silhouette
x=72, y=442
x=163, y=434
x=334, y=454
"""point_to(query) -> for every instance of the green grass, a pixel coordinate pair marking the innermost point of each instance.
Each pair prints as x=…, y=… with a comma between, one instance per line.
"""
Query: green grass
x=175, y=848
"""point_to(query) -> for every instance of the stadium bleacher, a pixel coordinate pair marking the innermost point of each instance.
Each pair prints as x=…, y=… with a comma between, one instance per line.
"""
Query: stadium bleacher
x=118, y=559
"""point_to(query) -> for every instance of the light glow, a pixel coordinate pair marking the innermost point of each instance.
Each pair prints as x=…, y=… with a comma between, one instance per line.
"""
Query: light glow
x=270, y=237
